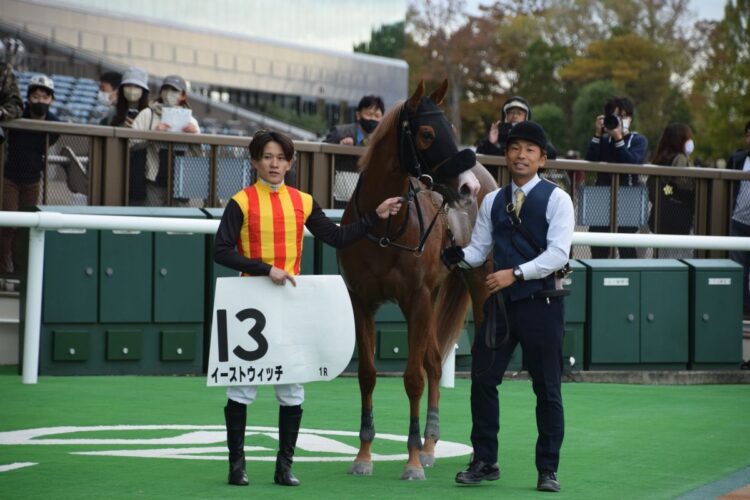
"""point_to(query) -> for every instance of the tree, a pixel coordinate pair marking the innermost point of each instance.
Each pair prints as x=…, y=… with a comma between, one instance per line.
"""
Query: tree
x=637, y=66
x=552, y=119
x=387, y=41
x=447, y=45
x=539, y=75
x=588, y=105
x=721, y=89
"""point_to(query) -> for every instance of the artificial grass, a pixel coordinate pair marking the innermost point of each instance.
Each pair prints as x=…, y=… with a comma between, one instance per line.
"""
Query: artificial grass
x=622, y=441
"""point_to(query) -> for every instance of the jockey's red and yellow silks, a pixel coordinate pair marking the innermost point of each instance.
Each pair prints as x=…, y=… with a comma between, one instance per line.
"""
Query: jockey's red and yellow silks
x=273, y=225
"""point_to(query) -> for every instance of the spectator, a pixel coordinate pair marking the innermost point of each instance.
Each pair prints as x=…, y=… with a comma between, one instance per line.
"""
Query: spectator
x=131, y=99
x=676, y=195
x=107, y=96
x=26, y=156
x=172, y=94
x=369, y=113
x=614, y=142
x=740, y=224
x=11, y=105
x=13, y=52
x=514, y=110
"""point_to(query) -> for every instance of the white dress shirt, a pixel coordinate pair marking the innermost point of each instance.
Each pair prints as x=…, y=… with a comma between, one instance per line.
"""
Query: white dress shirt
x=561, y=223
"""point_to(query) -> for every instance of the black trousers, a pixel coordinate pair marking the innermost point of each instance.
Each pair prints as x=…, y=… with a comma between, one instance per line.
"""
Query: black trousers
x=538, y=326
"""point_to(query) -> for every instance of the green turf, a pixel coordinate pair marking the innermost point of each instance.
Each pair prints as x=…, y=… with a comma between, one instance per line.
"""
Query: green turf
x=621, y=441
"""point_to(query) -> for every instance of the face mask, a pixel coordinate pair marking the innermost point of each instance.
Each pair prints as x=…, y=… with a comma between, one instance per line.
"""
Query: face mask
x=171, y=98
x=689, y=147
x=626, y=124
x=39, y=108
x=132, y=93
x=103, y=98
x=368, y=125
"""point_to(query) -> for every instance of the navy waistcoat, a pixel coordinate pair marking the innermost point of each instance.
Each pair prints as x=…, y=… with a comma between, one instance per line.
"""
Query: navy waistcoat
x=512, y=248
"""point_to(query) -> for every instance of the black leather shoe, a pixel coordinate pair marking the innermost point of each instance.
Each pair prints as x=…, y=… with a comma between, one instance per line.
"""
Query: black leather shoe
x=477, y=472
x=548, y=482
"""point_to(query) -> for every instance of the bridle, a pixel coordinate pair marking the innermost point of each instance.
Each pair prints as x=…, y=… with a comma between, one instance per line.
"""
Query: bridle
x=390, y=240
x=413, y=160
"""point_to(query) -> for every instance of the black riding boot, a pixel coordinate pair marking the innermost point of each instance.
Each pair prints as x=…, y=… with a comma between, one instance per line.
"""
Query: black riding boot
x=289, y=421
x=235, y=415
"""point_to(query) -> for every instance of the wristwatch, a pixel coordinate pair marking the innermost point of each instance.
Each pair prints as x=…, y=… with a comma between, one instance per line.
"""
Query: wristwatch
x=517, y=273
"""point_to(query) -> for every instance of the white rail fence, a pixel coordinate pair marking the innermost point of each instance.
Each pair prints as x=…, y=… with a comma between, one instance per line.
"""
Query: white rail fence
x=40, y=222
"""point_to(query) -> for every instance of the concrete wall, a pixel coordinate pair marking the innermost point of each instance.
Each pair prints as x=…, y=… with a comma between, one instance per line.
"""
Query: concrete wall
x=213, y=58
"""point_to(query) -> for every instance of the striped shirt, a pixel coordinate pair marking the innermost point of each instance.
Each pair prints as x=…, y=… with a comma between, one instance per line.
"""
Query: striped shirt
x=274, y=225
x=262, y=227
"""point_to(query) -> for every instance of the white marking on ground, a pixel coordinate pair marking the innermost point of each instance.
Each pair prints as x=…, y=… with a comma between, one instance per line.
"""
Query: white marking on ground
x=17, y=465
x=310, y=440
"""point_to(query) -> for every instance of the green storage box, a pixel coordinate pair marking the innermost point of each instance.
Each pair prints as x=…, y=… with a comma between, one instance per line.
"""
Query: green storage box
x=637, y=314
x=715, y=313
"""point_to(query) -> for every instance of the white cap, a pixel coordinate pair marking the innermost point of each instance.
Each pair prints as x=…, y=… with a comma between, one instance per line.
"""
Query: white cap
x=515, y=104
x=41, y=81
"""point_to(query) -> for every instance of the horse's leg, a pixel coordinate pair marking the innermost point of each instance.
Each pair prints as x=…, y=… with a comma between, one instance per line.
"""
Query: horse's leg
x=433, y=368
x=421, y=332
x=451, y=304
x=365, y=326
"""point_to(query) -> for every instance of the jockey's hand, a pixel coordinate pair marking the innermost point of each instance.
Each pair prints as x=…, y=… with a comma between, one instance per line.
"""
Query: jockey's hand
x=452, y=255
x=389, y=207
x=279, y=276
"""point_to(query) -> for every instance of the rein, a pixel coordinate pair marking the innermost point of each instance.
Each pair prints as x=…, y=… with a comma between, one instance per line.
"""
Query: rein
x=389, y=240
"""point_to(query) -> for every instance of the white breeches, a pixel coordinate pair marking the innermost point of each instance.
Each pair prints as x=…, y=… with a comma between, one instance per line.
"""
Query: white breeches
x=286, y=394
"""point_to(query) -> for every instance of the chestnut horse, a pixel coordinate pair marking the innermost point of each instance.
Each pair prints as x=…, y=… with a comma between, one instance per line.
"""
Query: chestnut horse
x=413, y=153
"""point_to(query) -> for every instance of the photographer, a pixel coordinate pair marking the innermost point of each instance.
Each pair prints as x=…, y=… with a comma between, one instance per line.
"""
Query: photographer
x=614, y=142
x=515, y=110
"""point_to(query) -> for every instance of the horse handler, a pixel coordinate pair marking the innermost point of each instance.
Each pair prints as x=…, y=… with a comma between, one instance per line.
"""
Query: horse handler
x=530, y=233
x=261, y=234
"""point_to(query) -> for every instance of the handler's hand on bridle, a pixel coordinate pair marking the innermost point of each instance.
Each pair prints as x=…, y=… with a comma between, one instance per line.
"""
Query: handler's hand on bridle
x=391, y=206
x=279, y=276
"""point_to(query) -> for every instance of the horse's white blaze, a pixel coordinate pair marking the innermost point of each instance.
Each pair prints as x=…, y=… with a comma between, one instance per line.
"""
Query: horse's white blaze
x=468, y=182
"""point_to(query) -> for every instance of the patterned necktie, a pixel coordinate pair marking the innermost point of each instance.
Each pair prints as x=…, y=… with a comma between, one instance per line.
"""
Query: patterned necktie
x=520, y=197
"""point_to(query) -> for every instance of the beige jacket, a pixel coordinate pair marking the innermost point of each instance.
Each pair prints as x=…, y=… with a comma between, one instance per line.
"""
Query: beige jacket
x=148, y=119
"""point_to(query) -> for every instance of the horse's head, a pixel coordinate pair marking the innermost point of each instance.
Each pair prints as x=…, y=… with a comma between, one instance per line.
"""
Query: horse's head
x=428, y=149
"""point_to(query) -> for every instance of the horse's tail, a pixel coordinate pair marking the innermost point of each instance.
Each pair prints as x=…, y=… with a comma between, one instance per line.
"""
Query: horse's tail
x=450, y=308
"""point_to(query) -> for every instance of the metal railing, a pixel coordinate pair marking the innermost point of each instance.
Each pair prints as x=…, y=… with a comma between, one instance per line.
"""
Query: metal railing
x=39, y=222
x=91, y=165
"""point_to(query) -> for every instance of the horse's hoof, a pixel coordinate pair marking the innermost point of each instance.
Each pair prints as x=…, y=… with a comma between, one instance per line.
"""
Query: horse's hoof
x=360, y=469
x=427, y=460
x=413, y=474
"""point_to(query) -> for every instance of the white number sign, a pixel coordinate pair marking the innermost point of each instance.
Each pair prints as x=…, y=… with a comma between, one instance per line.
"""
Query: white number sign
x=265, y=334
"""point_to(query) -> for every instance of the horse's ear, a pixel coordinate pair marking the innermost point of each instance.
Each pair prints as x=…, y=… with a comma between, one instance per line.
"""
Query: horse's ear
x=413, y=101
x=439, y=95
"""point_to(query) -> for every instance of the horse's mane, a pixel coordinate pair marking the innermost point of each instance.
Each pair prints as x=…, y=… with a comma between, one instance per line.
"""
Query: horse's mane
x=379, y=137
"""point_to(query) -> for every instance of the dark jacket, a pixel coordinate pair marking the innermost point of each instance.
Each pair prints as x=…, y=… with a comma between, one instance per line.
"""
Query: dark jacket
x=632, y=150
x=341, y=131
x=11, y=104
x=347, y=163
x=485, y=147
x=737, y=162
x=676, y=196
x=26, y=151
